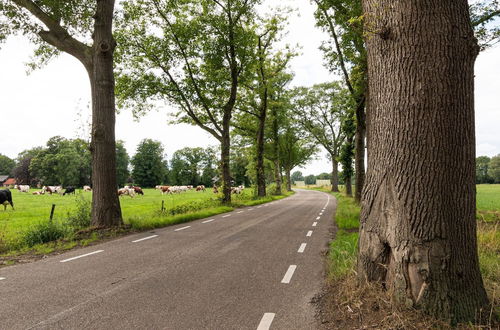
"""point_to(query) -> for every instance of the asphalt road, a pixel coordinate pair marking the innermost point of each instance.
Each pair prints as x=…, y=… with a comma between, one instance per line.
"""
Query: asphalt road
x=253, y=268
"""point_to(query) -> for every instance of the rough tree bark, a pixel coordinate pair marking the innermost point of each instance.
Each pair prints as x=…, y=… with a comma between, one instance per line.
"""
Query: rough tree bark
x=261, y=178
x=288, y=179
x=359, y=157
x=335, y=175
x=106, y=209
x=418, y=227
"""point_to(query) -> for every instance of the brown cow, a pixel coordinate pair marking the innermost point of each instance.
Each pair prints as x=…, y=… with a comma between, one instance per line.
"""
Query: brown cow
x=200, y=188
x=138, y=190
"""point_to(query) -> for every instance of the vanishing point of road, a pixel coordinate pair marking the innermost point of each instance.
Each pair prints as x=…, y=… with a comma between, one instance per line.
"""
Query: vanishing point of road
x=254, y=268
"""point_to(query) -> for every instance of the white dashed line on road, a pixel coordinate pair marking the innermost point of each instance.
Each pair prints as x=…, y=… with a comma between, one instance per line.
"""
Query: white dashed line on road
x=239, y=212
x=289, y=273
x=225, y=216
x=2, y=278
x=317, y=218
x=145, y=238
x=250, y=209
x=259, y=207
x=315, y=224
x=207, y=221
x=302, y=248
x=265, y=322
x=83, y=255
x=309, y=233
x=182, y=228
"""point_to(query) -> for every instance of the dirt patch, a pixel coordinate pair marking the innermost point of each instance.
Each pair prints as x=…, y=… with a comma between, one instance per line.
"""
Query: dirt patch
x=344, y=304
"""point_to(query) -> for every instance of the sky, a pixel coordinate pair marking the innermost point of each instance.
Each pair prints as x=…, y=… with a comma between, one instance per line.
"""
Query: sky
x=54, y=100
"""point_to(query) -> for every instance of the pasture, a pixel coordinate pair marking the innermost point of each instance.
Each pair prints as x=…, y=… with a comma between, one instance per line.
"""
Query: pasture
x=140, y=212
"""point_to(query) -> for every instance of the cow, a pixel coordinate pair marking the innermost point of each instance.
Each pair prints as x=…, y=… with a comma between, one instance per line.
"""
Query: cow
x=165, y=189
x=237, y=190
x=138, y=190
x=52, y=189
x=216, y=191
x=23, y=188
x=126, y=191
x=87, y=188
x=200, y=188
x=41, y=192
x=6, y=199
x=190, y=187
x=69, y=190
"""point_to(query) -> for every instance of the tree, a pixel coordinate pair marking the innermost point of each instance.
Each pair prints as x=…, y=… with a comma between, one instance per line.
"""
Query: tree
x=297, y=176
x=482, y=165
x=345, y=53
x=484, y=16
x=186, y=166
x=63, y=161
x=194, y=54
x=6, y=164
x=22, y=172
x=149, y=166
x=347, y=152
x=320, y=110
x=310, y=179
x=57, y=26
x=122, y=161
x=269, y=66
x=418, y=226
x=494, y=168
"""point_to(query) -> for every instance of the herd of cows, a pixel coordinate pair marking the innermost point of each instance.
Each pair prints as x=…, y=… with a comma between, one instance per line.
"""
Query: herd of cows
x=6, y=195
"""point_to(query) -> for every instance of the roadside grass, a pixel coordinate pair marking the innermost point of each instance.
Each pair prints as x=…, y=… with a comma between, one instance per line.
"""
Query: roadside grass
x=343, y=253
x=28, y=231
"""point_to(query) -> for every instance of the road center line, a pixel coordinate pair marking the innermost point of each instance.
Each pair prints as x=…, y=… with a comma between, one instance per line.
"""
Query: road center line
x=314, y=224
x=182, y=228
x=145, y=238
x=225, y=216
x=83, y=255
x=289, y=273
x=2, y=278
x=259, y=207
x=302, y=248
x=207, y=221
x=265, y=322
x=317, y=218
x=250, y=209
x=309, y=233
x=239, y=212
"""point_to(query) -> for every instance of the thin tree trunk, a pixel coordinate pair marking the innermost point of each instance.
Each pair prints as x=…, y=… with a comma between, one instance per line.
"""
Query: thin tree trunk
x=261, y=177
x=418, y=226
x=348, y=186
x=359, y=162
x=288, y=180
x=335, y=175
x=225, y=165
x=276, y=152
x=106, y=209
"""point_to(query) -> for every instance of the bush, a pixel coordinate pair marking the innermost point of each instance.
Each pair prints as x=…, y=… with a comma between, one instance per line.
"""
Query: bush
x=43, y=232
x=80, y=218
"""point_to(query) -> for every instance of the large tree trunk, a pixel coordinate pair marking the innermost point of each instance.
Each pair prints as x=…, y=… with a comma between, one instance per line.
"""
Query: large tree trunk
x=359, y=162
x=106, y=210
x=418, y=227
x=335, y=175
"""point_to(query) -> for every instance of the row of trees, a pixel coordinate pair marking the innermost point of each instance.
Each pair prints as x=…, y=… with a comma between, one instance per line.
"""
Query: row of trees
x=218, y=63
x=488, y=169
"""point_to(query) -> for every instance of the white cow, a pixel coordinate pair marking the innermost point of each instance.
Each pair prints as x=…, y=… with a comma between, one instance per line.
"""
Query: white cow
x=87, y=188
x=23, y=188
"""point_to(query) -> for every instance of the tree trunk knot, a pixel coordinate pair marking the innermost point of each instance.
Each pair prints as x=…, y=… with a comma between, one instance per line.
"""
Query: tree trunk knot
x=98, y=133
x=104, y=46
x=385, y=33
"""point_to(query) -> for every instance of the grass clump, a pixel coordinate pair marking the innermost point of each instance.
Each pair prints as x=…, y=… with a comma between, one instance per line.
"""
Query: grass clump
x=80, y=216
x=43, y=232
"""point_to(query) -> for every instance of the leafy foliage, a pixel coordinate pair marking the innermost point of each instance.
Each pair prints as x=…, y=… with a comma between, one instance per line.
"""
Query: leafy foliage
x=6, y=164
x=122, y=162
x=485, y=21
x=149, y=166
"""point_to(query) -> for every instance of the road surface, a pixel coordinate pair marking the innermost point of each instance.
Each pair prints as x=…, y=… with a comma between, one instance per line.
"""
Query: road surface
x=254, y=268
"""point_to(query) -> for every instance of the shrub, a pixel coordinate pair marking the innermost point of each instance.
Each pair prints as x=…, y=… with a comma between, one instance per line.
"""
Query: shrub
x=80, y=218
x=43, y=232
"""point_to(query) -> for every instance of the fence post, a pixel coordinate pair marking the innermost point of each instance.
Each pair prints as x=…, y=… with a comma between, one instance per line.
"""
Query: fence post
x=52, y=211
x=162, y=205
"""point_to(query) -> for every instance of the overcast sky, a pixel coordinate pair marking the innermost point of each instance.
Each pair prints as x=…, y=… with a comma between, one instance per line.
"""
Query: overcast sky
x=55, y=100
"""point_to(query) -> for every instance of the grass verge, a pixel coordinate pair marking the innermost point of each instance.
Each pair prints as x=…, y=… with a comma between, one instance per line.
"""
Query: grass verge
x=356, y=306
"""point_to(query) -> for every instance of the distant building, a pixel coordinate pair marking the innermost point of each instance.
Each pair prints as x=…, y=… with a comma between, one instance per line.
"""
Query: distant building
x=7, y=182
x=3, y=178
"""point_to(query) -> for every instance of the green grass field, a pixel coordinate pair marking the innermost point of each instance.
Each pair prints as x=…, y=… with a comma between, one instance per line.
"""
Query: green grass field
x=140, y=212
